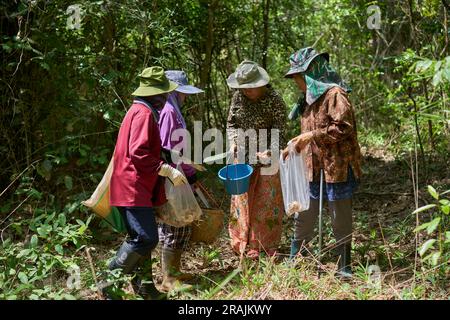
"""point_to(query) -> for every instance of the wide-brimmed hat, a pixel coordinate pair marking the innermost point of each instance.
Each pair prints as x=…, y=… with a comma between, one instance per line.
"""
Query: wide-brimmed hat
x=248, y=75
x=180, y=78
x=301, y=60
x=153, y=81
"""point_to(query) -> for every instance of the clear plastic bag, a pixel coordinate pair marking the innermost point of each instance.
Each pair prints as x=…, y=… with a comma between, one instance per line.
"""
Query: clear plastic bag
x=294, y=182
x=181, y=207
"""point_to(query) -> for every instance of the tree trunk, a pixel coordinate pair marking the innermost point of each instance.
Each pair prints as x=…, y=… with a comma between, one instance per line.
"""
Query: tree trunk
x=205, y=68
x=265, y=47
x=206, y=63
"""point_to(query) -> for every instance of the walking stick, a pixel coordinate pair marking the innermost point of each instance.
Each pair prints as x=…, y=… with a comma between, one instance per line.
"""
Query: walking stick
x=320, y=218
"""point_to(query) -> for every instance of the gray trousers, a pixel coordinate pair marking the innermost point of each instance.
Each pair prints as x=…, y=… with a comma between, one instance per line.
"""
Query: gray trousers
x=341, y=220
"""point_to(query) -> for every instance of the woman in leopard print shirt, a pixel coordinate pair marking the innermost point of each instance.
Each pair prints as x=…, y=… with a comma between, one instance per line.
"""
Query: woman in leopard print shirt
x=256, y=216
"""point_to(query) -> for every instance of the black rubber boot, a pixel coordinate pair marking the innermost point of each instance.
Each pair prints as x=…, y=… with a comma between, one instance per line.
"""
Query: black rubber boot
x=127, y=260
x=146, y=288
x=344, y=265
x=295, y=248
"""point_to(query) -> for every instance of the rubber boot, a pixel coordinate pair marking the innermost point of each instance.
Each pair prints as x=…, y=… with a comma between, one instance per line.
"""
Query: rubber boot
x=295, y=248
x=344, y=264
x=172, y=276
x=127, y=260
x=342, y=228
x=146, y=288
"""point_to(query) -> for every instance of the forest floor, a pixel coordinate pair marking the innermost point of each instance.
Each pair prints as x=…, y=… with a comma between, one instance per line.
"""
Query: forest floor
x=383, y=238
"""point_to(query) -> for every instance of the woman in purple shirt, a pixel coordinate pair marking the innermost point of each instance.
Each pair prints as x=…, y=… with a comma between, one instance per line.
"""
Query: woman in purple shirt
x=175, y=240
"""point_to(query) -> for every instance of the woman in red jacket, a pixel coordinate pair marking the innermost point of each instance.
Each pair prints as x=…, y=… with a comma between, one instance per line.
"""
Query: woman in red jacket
x=137, y=183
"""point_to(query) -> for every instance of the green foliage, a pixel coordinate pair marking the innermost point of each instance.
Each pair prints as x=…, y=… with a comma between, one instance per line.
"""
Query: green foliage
x=435, y=251
x=64, y=92
x=39, y=266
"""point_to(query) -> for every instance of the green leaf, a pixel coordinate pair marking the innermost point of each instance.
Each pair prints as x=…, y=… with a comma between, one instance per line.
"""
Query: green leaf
x=59, y=249
x=62, y=219
x=422, y=227
x=23, y=253
x=44, y=169
x=47, y=165
x=22, y=277
x=445, y=206
x=437, y=66
x=69, y=297
x=435, y=258
x=447, y=237
x=427, y=245
x=428, y=206
x=447, y=61
x=433, y=225
x=72, y=207
x=445, y=209
x=35, y=194
x=6, y=47
x=437, y=78
x=34, y=241
x=44, y=65
x=433, y=192
x=82, y=229
x=107, y=115
x=68, y=182
x=44, y=230
x=446, y=73
x=83, y=152
x=423, y=65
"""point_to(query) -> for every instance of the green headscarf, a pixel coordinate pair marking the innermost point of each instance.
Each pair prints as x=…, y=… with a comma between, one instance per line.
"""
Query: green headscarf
x=319, y=77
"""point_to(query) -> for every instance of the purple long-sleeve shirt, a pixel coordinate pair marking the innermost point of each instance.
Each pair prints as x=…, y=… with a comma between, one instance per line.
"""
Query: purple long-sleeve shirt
x=170, y=119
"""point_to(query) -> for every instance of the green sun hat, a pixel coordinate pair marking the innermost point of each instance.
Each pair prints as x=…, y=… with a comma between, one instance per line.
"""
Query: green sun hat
x=153, y=81
x=301, y=60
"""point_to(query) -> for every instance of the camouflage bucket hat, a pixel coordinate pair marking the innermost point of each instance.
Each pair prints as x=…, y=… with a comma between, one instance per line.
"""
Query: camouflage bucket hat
x=301, y=59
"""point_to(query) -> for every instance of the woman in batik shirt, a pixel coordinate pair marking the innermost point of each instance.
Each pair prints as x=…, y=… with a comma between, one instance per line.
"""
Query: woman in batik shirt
x=329, y=139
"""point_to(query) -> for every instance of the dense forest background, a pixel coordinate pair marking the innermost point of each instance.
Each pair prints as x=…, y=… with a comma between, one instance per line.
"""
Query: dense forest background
x=69, y=67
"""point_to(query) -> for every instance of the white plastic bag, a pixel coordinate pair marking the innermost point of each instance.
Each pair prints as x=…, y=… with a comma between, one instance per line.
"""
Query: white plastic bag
x=181, y=207
x=294, y=182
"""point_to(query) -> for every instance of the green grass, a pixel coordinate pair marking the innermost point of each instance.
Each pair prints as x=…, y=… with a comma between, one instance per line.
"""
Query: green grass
x=299, y=280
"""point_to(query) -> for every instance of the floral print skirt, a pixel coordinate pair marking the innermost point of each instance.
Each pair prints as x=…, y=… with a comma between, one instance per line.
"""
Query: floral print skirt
x=256, y=216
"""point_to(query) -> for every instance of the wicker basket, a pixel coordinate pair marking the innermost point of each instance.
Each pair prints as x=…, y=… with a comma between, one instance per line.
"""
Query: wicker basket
x=208, y=228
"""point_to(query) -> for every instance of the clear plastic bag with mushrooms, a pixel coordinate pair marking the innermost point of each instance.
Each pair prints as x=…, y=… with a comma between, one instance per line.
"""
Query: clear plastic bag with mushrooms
x=294, y=182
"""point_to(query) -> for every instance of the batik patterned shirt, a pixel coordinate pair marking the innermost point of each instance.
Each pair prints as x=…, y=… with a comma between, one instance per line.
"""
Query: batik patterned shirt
x=335, y=145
